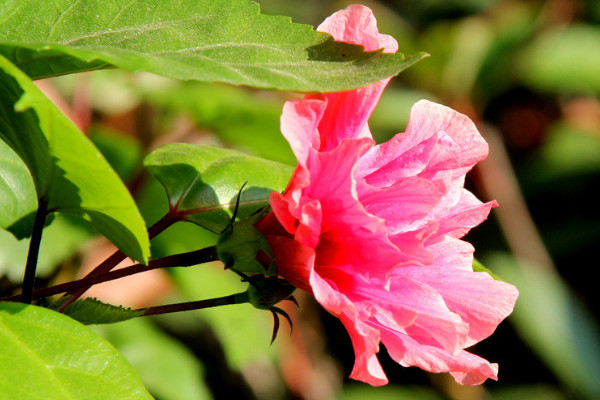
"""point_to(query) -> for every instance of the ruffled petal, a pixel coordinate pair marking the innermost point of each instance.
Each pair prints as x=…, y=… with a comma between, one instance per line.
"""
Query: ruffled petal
x=356, y=24
x=365, y=339
x=466, y=368
x=481, y=301
x=374, y=231
x=299, y=122
x=402, y=205
x=347, y=112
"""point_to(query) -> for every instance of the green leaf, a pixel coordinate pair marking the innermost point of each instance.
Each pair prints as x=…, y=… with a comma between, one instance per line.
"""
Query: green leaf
x=48, y=355
x=479, y=267
x=69, y=173
x=555, y=324
x=17, y=193
x=203, y=182
x=207, y=40
x=92, y=311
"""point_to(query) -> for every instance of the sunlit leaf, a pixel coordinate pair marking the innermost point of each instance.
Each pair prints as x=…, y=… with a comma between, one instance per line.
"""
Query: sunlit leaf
x=17, y=193
x=207, y=40
x=69, y=173
x=48, y=355
x=203, y=182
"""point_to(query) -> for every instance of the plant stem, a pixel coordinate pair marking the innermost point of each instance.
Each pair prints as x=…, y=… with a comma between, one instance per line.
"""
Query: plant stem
x=196, y=257
x=118, y=256
x=34, y=250
x=238, y=298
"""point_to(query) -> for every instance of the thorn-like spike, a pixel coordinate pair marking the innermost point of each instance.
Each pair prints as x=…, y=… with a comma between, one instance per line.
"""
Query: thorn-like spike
x=275, y=326
x=293, y=300
x=237, y=204
x=235, y=210
x=285, y=315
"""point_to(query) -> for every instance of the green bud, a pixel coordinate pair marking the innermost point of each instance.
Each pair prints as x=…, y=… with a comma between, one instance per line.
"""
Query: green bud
x=264, y=292
x=244, y=249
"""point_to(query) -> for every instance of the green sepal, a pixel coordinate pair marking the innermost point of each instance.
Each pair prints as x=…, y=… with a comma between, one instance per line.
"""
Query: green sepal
x=264, y=292
x=240, y=244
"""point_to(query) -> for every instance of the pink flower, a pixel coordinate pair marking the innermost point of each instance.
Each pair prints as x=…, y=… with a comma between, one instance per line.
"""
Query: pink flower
x=373, y=231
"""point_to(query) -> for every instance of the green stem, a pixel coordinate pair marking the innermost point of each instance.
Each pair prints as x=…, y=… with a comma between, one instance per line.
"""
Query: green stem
x=238, y=298
x=34, y=250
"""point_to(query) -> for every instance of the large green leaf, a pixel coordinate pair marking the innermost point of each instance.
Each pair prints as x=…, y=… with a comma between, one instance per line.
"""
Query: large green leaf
x=48, y=355
x=203, y=182
x=17, y=193
x=207, y=40
x=69, y=173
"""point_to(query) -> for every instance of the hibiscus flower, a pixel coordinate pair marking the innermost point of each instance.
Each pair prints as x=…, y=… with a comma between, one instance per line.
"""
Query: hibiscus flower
x=373, y=231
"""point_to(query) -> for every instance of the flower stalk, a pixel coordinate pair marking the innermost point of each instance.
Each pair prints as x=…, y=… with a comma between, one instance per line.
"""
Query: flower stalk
x=238, y=298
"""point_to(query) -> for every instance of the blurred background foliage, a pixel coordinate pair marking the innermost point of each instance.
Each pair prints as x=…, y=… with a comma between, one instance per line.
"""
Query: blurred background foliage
x=528, y=73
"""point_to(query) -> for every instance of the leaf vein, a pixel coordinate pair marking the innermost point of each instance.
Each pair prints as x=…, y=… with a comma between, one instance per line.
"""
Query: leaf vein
x=141, y=29
x=61, y=17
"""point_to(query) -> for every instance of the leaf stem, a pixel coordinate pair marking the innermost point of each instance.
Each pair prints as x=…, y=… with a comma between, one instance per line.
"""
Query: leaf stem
x=188, y=259
x=34, y=250
x=238, y=298
x=107, y=265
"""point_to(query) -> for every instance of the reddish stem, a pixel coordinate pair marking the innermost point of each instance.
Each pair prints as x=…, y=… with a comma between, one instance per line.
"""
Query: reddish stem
x=201, y=256
x=107, y=265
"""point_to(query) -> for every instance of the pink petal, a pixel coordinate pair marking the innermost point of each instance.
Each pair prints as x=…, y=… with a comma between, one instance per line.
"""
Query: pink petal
x=401, y=205
x=365, y=339
x=356, y=24
x=468, y=213
x=467, y=368
x=449, y=252
x=481, y=301
x=347, y=112
x=416, y=309
x=299, y=121
x=437, y=139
